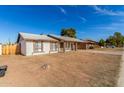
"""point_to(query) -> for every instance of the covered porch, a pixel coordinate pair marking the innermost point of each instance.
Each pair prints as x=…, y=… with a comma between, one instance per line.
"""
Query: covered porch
x=66, y=43
x=68, y=46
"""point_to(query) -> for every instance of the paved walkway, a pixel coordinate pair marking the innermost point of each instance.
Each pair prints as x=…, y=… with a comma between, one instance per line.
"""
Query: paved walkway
x=121, y=75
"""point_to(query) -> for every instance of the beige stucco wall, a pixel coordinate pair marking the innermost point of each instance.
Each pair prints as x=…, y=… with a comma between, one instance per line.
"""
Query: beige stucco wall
x=23, y=47
x=46, y=49
x=67, y=50
x=27, y=48
x=0, y=49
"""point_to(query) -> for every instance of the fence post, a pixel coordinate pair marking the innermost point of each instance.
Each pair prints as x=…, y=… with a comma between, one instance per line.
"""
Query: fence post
x=0, y=49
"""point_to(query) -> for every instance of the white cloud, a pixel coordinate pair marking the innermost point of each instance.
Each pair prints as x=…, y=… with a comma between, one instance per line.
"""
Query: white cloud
x=82, y=19
x=62, y=10
x=108, y=12
x=115, y=26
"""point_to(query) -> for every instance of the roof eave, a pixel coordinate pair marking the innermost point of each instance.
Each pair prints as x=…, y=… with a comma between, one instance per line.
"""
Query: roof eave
x=40, y=40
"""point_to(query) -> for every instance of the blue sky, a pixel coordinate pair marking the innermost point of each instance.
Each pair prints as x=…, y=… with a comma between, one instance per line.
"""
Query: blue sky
x=90, y=22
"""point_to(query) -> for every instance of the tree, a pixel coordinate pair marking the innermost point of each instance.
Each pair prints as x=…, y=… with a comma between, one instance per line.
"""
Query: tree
x=122, y=41
x=111, y=41
x=118, y=37
x=117, y=40
x=70, y=32
x=101, y=42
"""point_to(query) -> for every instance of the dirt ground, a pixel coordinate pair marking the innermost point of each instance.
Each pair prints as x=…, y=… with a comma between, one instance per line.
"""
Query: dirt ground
x=63, y=70
x=110, y=49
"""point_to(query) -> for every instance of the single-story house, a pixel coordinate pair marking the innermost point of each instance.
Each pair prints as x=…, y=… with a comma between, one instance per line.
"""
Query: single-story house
x=66, y=43
x=87, y=44
x=33, y=44
x=0, y=49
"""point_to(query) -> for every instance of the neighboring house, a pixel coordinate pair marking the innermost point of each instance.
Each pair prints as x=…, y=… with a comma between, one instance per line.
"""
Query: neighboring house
x=33, y=44
x=87, y=44
x=66, y=43
x=0, y=49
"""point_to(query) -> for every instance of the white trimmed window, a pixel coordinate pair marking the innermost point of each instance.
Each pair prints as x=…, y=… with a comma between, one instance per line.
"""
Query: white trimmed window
x=38, y=46
x=53, y=46
x=68, y=45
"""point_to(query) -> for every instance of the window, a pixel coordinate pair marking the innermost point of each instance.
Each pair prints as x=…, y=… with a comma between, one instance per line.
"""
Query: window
x=53, y=46
x=38, y=46
x=68, y=45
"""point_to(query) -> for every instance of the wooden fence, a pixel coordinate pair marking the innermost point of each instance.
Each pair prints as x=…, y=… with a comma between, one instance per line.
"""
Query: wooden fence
x=12, y=49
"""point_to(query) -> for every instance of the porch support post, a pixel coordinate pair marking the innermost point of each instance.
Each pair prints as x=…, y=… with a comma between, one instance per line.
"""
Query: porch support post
x=58, y=46
x=75, y=46
x=64, y=46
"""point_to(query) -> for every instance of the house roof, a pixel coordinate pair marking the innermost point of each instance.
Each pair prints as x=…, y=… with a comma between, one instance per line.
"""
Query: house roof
x=27, y=36
x=65, y=38
x=89, y=41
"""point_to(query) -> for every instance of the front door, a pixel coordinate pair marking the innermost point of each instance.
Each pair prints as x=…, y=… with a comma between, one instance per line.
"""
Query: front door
x=72, y=46
x=61, y=47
